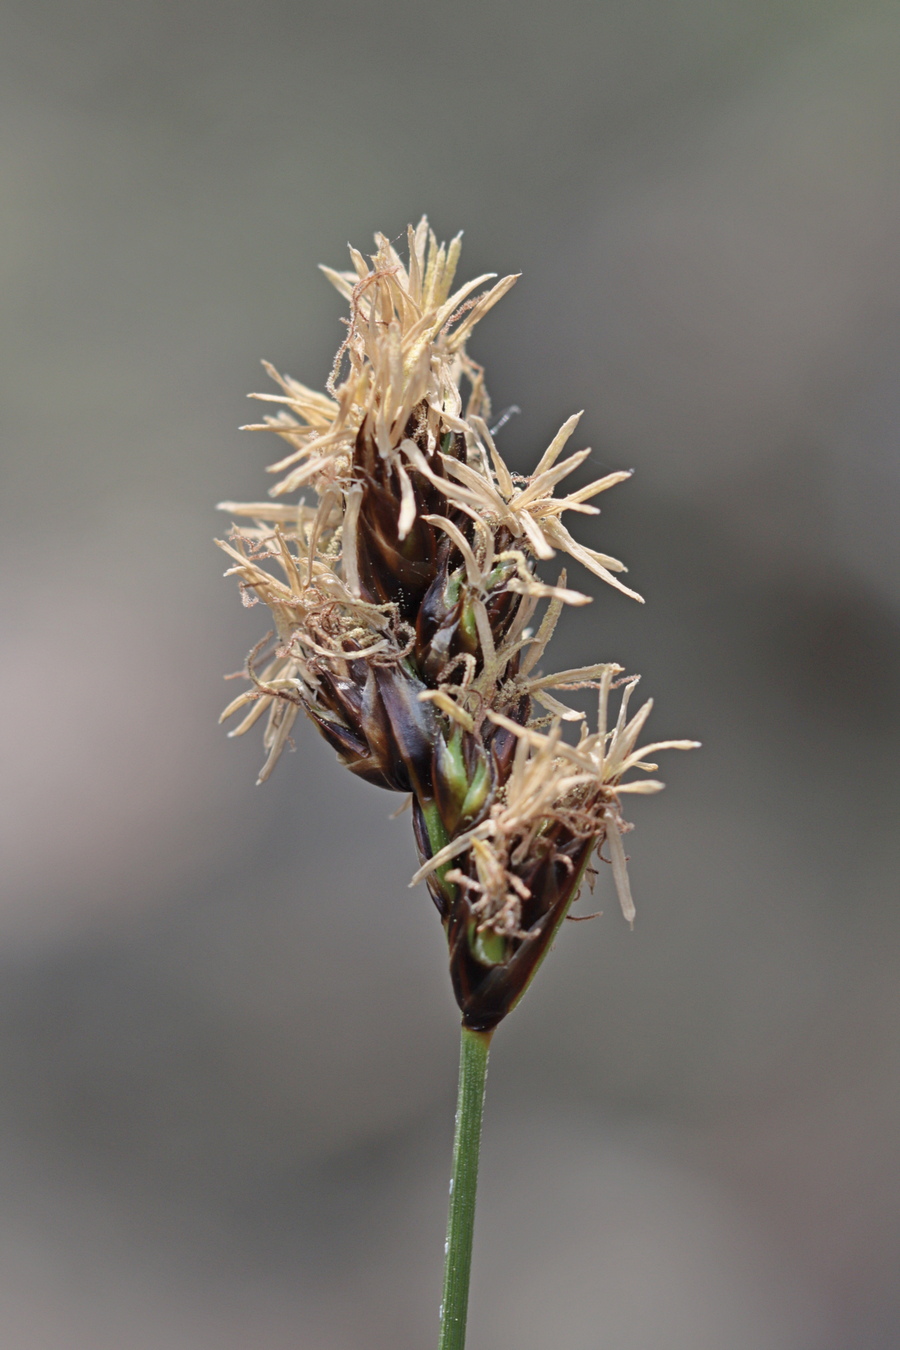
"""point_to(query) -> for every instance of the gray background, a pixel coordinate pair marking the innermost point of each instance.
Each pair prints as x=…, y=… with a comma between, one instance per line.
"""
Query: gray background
x=227, y=1042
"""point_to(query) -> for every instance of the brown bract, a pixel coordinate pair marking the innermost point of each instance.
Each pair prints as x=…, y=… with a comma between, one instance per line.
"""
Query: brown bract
x=405, y=606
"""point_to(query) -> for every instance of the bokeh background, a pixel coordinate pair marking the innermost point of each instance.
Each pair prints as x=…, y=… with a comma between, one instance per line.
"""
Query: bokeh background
x=227, y=1042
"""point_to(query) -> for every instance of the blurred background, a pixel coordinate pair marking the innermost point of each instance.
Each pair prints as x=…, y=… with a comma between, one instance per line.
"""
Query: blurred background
x=227, y=1041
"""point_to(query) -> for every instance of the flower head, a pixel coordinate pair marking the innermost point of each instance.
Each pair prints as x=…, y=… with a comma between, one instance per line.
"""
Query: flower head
x=403, y=603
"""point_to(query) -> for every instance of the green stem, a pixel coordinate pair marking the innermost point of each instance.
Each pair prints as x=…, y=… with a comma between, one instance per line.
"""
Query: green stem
x=473, y=1060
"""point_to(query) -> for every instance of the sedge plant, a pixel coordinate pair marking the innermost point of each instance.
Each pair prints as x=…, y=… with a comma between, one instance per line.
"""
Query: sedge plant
x=410, y=624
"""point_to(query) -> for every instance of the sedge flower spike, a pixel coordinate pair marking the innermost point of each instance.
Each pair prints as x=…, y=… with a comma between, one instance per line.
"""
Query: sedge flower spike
x=405, y=603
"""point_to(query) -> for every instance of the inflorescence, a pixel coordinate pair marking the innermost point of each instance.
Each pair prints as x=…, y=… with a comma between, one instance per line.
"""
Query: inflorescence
x=404, y=602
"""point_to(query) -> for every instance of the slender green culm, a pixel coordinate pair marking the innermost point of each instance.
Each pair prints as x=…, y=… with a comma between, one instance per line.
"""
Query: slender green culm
x=473, y=1061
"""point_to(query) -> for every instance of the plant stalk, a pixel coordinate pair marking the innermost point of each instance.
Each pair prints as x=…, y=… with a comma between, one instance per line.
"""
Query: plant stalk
x=473, y=1060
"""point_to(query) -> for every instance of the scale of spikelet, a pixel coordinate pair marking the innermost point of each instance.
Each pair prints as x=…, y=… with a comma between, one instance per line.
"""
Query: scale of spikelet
x=403, y=620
